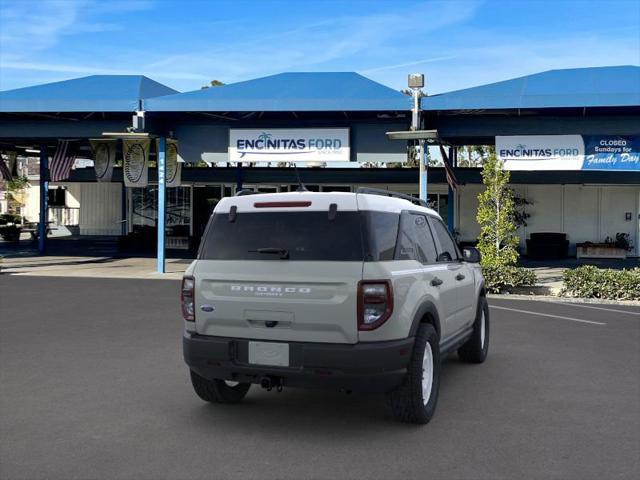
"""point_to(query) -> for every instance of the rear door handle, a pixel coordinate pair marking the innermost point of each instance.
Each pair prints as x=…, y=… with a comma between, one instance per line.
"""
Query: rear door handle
x=459, y=276
x=436, y=282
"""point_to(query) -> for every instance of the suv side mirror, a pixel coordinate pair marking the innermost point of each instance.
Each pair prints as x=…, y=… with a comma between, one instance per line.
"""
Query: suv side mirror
x=471, y=255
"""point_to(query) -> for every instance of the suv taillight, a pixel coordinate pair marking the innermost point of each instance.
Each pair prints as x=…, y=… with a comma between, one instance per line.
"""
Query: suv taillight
x=375, y=303
x=187, y=299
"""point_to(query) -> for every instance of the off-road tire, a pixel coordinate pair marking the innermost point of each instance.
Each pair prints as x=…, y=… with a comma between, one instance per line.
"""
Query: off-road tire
x=406, y=402
x=217, y=391
x=475, y=350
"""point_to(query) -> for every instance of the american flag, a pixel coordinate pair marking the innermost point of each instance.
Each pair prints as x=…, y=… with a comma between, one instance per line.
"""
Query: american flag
x=5, y=172
x=62, y=161
x=448, y=169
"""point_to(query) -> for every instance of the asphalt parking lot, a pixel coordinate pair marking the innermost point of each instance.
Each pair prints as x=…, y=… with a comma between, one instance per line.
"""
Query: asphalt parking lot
x=92, y=385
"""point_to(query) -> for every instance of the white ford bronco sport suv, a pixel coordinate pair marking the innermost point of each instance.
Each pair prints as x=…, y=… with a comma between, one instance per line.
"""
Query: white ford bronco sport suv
x=358, y=291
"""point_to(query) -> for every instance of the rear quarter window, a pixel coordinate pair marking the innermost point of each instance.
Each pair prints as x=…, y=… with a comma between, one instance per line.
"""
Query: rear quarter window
x=380, y=233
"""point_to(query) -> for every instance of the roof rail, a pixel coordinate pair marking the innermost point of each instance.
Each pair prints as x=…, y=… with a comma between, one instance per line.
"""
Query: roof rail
x=390, y=193
x=242, y=193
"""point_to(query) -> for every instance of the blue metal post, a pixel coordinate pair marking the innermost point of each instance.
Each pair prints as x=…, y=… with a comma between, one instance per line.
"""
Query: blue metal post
x=424, y=159
x=453, y=157
x=44, y=200
x=239, y=176
x=124, y=211
x=162, y=183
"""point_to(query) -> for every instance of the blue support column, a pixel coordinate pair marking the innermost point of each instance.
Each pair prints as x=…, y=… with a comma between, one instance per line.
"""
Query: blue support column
x=44, y=200
x=124, y=211
x=453, y=158
x=239, y=176
x=162, y=190
x=424, y=158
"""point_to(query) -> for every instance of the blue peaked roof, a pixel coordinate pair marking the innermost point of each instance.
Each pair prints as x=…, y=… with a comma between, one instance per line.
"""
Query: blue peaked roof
x=96, y=93
x=288, y=92
x=576, y=87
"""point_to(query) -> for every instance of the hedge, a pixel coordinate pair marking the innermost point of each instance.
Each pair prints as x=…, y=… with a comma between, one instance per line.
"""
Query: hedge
x=588, y=281
x=499, y=278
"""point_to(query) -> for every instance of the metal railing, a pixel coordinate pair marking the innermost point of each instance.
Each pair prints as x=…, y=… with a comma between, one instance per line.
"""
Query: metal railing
x=64, y=215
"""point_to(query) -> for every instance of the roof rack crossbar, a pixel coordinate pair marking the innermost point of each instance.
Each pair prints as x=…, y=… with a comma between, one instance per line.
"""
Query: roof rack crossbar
x=390, y=193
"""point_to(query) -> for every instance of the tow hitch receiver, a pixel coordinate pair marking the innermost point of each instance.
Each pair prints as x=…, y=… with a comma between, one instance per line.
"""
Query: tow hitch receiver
x=270, y=383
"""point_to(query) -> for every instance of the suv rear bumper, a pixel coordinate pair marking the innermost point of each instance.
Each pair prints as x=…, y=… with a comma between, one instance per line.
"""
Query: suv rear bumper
x=369, y=367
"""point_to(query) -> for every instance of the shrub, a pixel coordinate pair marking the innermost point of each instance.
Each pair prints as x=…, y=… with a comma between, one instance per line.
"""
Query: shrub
x=500, y=277
x=592, y=282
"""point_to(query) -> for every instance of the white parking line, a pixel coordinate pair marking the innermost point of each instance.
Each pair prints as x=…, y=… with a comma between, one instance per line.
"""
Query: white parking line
x=628, y=312
x=547, y=315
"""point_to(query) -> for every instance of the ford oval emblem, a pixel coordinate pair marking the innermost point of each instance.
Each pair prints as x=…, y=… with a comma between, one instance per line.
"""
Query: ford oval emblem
x=207, y=308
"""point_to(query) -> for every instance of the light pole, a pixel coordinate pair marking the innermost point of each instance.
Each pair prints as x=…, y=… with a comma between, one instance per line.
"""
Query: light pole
x=416, y=83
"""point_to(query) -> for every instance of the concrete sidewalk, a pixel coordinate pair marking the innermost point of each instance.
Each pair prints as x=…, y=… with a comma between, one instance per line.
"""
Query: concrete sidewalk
x=549, y=277
x=94, y=267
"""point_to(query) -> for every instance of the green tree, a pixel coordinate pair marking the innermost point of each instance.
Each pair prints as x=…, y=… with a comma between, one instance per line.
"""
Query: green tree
x=213, y=83
x=497, y=242
x=474, y=155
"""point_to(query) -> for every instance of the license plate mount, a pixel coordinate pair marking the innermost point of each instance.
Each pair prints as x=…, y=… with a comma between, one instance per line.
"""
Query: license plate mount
x=269, y=353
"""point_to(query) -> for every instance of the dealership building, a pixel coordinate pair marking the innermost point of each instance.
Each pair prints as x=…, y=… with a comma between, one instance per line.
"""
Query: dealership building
x=571, y=139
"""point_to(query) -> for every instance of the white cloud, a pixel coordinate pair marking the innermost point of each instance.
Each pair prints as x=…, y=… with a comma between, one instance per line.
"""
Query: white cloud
x=408, y=64
x=347, y=40
x=90, y=70
x=435, y=37
x=30, y=27
x=494, y=59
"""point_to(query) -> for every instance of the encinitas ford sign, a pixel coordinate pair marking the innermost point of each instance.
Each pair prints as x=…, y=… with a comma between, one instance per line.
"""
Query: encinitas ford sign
x=541, y=152
x=289, y=145
x=569, y=152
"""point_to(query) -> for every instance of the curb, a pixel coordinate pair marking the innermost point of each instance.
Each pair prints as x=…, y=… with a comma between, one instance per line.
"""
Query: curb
x=533, y=290
x=554, y=299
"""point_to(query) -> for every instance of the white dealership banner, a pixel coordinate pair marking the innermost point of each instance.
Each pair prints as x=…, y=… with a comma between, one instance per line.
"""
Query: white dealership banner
x=173, y=165
x=289, y=145
x=541, y=152
x=136, y=162
x=104, y=157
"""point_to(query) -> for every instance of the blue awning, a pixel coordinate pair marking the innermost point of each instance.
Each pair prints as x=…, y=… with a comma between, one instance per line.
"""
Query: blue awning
x=577, y=87
x=288, y=92
x=96, y=93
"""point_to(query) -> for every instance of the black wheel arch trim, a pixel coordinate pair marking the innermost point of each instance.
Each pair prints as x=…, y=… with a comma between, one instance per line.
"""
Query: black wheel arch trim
x=482, y=291
x=427, y=308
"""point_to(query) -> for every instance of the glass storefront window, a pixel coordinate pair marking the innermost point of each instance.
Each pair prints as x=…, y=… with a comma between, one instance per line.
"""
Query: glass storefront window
x=144, y=208
x=432, y=201
x=443, y=209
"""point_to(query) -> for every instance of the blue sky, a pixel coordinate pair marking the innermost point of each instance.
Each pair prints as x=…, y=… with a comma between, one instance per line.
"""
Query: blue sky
x=184, y=44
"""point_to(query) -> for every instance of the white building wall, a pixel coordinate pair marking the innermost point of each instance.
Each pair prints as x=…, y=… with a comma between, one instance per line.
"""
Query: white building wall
x=73, y=195
x=581, y=216
x=31, y=210
x=100, y=208
x=615, y=203
x=583, y=212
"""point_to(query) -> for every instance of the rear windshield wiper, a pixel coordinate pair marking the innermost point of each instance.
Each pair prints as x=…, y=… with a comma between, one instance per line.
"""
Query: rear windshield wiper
x=283, y=252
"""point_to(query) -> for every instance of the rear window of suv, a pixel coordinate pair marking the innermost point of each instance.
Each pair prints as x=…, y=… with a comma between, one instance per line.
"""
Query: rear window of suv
x=350, y=236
